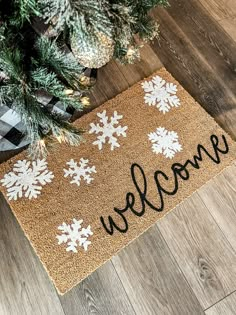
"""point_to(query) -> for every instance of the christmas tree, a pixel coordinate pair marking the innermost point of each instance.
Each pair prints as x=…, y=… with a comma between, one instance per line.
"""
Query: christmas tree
x=103, y=29
x=81, y=34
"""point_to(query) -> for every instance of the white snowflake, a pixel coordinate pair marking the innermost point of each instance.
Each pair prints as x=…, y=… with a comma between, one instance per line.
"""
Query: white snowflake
x=74, y=235
x=27, y=179
x=165, y=142
x=77, y=172
x=108, y=130
x=161, y=94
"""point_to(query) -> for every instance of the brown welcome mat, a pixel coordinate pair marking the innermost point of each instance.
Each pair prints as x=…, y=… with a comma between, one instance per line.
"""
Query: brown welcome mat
x=146, y=151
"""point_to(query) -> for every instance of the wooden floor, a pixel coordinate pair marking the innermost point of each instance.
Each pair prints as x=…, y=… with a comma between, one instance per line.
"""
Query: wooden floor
x=186, y=263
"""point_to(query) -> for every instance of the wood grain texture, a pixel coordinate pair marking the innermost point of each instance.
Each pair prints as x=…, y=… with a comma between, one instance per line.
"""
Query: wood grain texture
x=229, y=25
x=101, y=293
x=226, y=306
x=152, y=279
x=197, y=51
x=115, y=78
x=24, y=284
x=220, y=9
x=148, y=64
x=220, y=199
x=201, y=250
x=197, y=45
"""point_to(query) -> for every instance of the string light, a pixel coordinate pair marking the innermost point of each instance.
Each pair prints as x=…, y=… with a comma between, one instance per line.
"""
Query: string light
x=69, y=92
x=42, y=142
x=59, y=139
x=84, y=80
x=85, y=101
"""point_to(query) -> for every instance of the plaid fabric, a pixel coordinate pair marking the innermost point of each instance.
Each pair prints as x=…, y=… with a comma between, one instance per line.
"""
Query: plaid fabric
x=13, y=132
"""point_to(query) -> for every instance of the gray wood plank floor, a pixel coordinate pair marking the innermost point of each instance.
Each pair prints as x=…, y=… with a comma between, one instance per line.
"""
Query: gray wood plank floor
x=186, y=263
x=225, y=306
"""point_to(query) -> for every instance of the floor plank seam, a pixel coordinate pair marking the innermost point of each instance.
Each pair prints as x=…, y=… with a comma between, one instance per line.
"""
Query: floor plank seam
x=225, y=236
x=219, y=300
x=123, y=286
x=175, y=261
x=58, y=296
x=203, y=58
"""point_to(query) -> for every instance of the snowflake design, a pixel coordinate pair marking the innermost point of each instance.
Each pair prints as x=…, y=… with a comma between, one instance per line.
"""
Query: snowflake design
x=165, y=142
x=74, y=235
x=161, y=94
x=27, y=179
x=77, y=172
x=108, y=130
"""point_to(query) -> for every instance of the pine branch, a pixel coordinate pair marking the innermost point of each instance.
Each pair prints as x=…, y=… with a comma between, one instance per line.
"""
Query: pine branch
x=47, y=81
x=39, y=122
x=10, y=63
x=23, y=80
x=61, y=13
x=29, y=65
x=64, y=64
x=24, y=9
x=118, y=20
x=2, y=31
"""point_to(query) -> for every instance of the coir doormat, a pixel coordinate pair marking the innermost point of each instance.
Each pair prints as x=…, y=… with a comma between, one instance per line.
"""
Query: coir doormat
x=146, y=150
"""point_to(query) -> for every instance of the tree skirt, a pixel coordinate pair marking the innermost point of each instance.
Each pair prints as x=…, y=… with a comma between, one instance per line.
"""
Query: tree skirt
x=145, y=151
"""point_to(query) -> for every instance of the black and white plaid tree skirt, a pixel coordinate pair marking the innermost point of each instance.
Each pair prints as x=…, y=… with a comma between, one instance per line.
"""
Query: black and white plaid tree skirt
x=13, y=132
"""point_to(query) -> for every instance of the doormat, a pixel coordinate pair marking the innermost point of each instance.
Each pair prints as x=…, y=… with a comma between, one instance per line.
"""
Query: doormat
x=145, y=151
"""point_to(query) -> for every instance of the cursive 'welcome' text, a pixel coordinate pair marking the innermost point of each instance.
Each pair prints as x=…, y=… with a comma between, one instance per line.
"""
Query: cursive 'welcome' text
x=179, y=171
